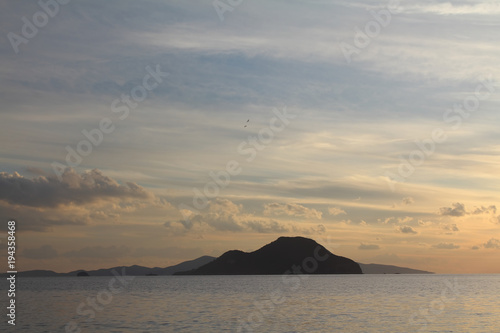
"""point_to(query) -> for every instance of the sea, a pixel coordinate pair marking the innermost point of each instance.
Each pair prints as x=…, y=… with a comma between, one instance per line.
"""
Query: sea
x=278, y=303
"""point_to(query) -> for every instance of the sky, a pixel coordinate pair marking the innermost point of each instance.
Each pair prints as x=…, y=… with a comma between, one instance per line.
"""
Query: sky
x=155, y=132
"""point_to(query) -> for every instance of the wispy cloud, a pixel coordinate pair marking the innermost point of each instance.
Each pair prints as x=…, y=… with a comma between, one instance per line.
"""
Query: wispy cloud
x=292, y=209
x=457, y=209
x=405, y=229
x=446, y=246
x=448, y=8
x=493, y=243
x=451, y=227
x=368, y=247
x=336, y=211
x=224, y=215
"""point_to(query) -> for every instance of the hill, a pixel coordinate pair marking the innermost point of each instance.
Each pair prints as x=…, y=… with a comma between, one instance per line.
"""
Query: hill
x=129, y=270
x=295, y=255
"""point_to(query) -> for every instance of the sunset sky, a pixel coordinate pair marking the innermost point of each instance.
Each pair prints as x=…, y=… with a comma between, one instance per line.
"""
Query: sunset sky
x=373, y=128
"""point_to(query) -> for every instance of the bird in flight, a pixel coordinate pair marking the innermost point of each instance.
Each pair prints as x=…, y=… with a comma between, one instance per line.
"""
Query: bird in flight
x=247, y=122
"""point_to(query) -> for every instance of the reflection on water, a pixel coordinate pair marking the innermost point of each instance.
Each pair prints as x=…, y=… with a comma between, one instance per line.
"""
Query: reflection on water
x=330, y=303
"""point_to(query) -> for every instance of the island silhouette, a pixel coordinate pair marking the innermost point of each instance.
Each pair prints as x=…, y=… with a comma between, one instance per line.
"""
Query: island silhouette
x=286, y=255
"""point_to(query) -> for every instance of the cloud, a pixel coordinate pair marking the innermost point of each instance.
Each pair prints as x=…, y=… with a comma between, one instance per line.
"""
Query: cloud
x=336, y=211
x=405, y=219
x=315, y=230
x=368, y=247
x=396, y=220
x=457, y=210
x=407, y=201
x=74, y=188
x=451, y=227
x=475, y=247
x=405, y=229
x=423, y=223
x=41, y=219
x=448, y=8
x=404, y=202
x=78, y=200
x=485, y=210
x=266, y=226
x=100, y=212
x=388, y=220
x=224, y=215
x=43, y=252
x=446, y=246
x=291, y=209
x=493, y=243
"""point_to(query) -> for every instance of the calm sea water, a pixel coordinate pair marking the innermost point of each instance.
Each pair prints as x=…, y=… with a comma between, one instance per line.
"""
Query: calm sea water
x=330, y=303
